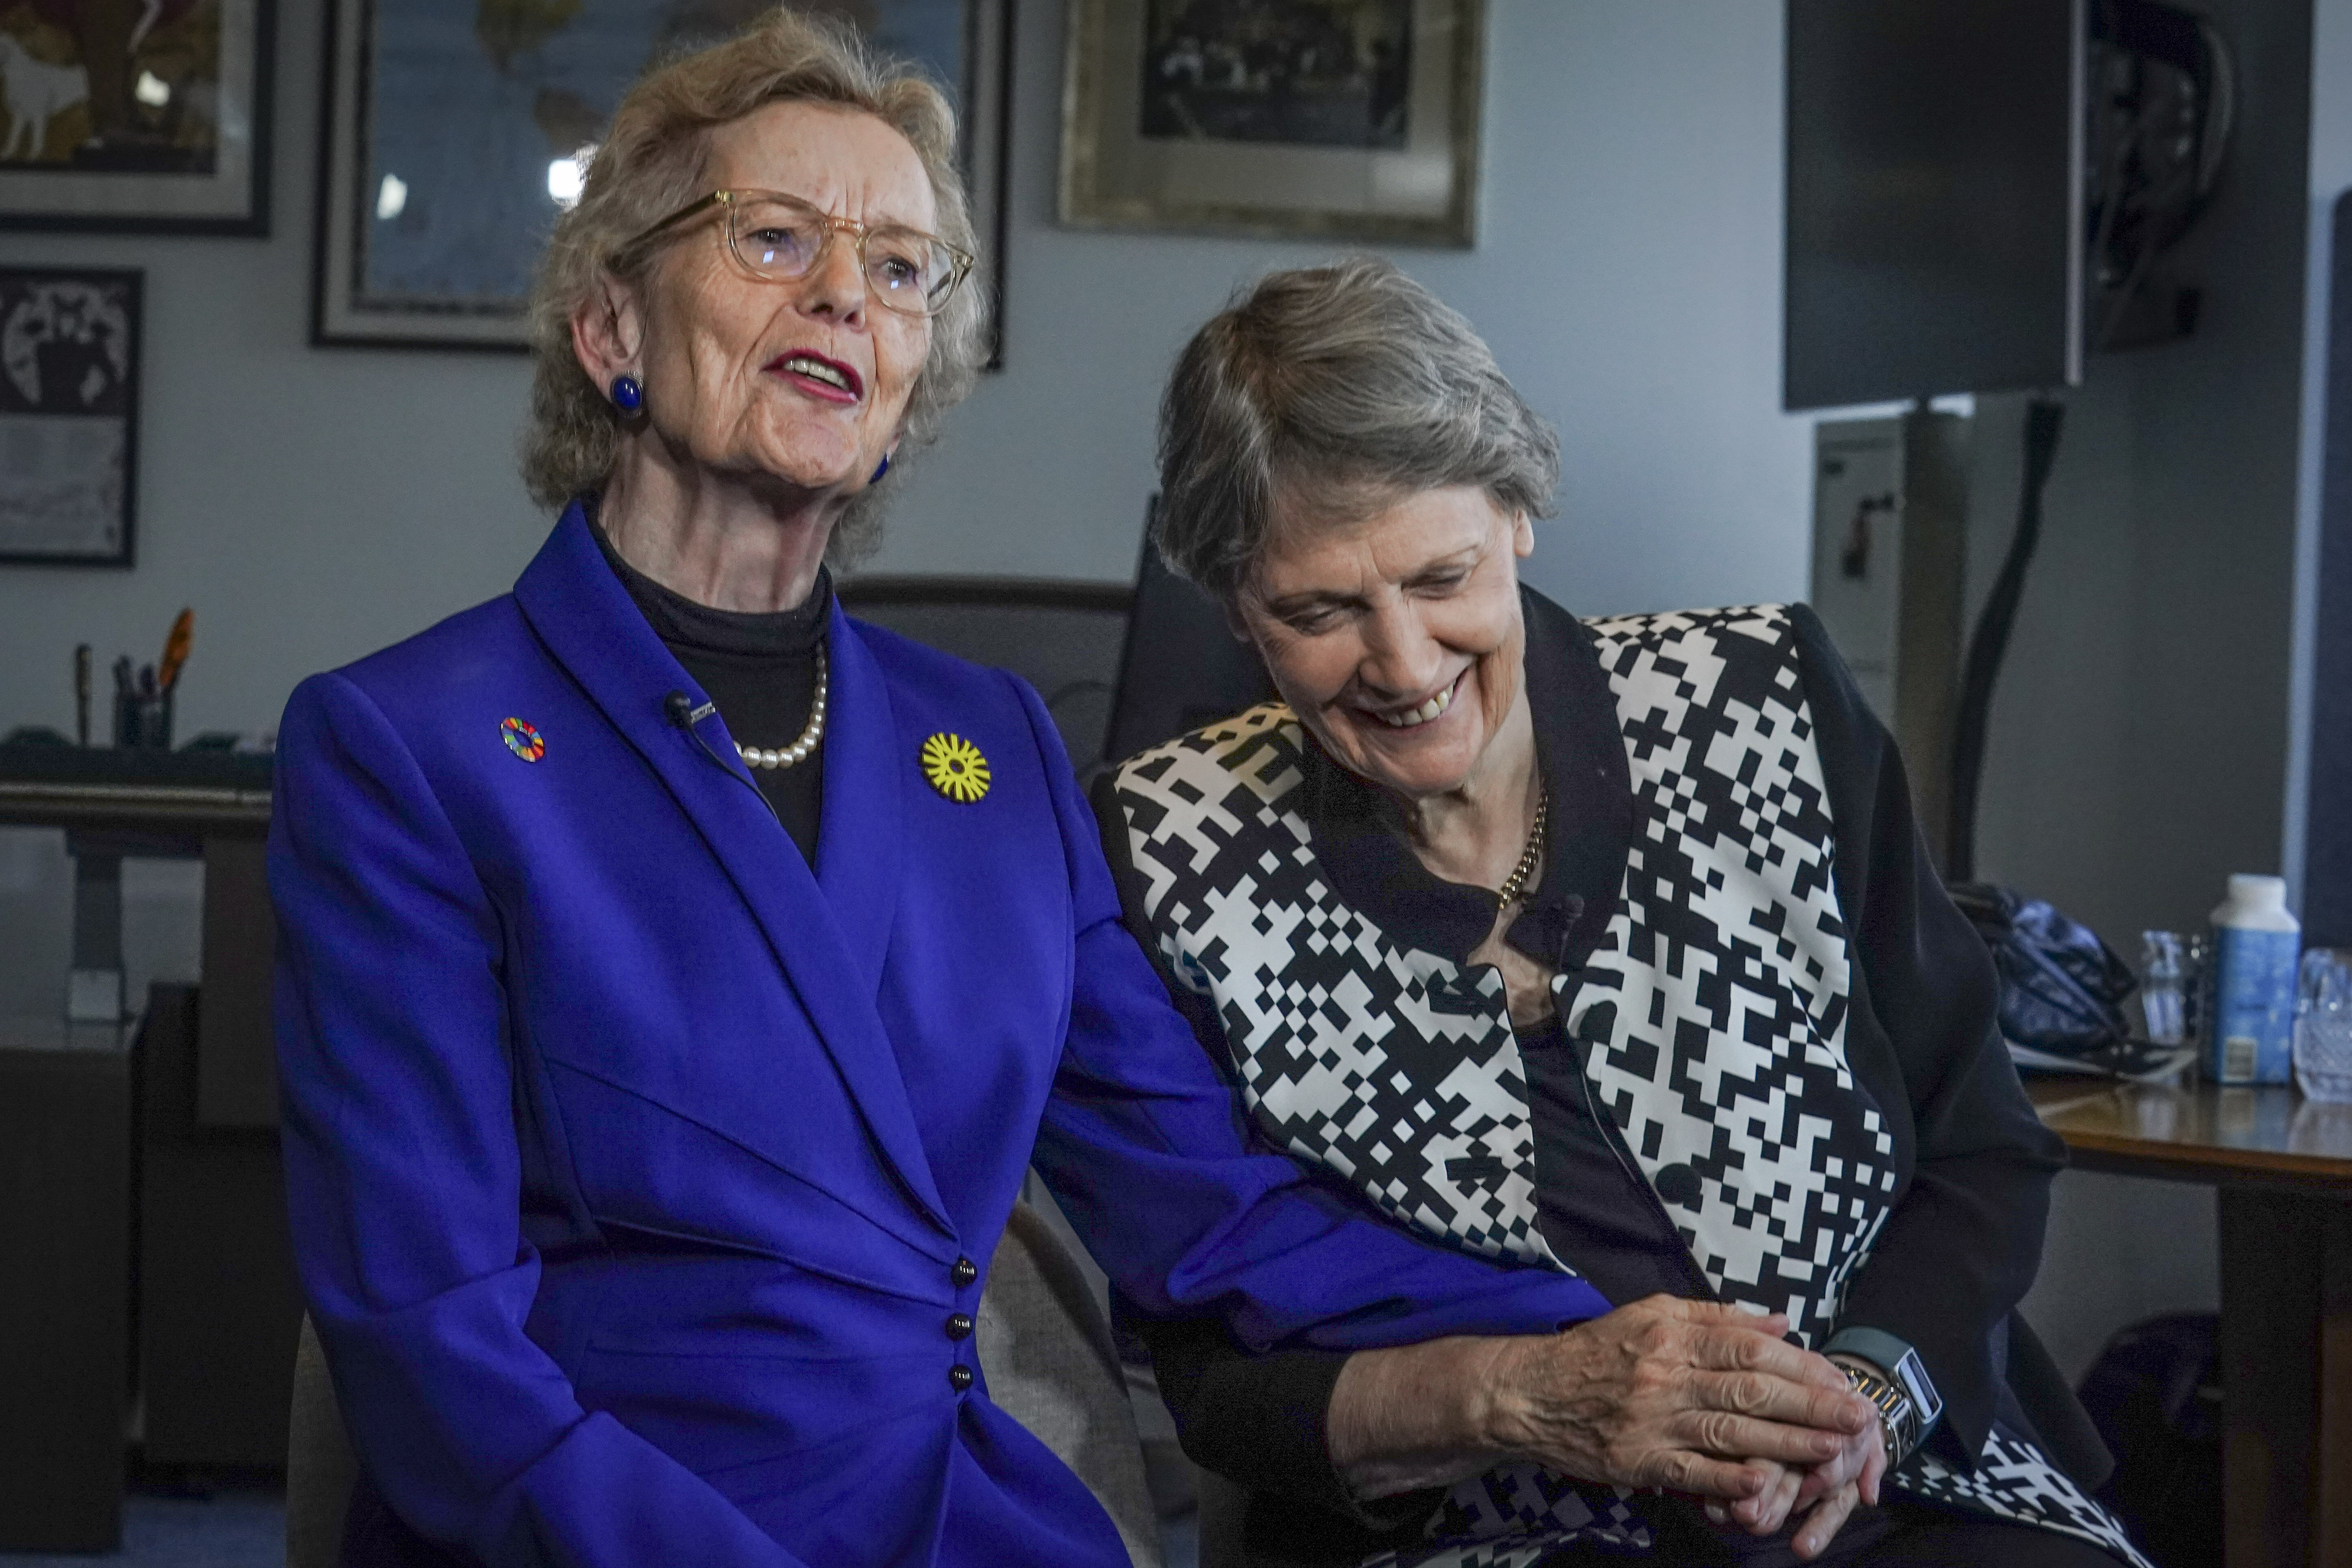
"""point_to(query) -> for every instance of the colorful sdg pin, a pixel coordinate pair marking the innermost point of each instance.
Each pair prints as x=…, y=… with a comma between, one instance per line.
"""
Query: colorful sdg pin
x=522, y=739
x=955, y=767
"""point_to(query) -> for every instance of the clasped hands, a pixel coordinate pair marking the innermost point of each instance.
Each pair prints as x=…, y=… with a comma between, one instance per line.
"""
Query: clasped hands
x=1697, y=1399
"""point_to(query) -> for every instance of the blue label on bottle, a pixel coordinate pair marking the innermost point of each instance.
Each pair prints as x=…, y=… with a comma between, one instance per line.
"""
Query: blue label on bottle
x=2250, y=1036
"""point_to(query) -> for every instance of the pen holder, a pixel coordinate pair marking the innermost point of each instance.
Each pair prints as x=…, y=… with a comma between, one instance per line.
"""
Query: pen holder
x=142, y=723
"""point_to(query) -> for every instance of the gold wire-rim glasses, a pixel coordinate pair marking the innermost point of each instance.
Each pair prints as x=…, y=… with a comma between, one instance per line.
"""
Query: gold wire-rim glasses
x=926, y=304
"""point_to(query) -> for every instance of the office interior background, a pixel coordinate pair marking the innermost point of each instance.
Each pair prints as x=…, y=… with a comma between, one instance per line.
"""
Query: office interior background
x=2150, y=734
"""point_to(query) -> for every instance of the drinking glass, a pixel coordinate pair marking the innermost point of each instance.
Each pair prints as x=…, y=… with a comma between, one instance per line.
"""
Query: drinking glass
x=2162, y=995
x=2323, y=1026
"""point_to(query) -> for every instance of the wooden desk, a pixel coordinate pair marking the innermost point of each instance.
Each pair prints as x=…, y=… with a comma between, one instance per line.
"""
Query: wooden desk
x=186, y=805
x=2282, y=1167
x=191, y=1153
x=65, y=1311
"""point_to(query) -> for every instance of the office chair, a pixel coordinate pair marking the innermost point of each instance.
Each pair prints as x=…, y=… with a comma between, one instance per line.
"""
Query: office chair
x=1182, y=667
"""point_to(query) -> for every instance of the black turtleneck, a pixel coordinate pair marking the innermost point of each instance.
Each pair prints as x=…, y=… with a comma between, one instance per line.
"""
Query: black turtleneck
x=759, y=670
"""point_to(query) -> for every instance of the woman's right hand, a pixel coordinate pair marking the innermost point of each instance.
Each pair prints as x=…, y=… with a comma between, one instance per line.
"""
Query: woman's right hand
x=1671, y=1394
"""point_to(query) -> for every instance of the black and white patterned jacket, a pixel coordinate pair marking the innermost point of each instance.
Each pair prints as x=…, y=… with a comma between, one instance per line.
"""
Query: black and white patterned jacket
x=1786, y=1020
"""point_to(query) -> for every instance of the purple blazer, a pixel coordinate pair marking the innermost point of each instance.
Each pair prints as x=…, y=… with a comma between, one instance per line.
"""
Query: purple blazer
x=644, y=1181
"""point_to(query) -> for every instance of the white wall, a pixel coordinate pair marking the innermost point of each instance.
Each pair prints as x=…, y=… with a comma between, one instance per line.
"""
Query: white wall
x=2138, y=747
x=1628, y=274
x=2140, y=739
x=2330, y=175
x=315, y=504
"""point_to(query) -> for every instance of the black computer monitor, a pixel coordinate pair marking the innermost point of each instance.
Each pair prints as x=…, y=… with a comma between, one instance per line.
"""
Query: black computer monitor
x=1935, y=197
x=1183, y=666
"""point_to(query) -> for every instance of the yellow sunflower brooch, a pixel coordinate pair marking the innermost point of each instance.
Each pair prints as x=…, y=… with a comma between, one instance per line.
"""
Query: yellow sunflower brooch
x=955, y=768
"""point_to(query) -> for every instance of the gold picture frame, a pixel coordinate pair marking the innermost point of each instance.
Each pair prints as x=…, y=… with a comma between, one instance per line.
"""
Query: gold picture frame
x=137, y=119
x=1337, y=120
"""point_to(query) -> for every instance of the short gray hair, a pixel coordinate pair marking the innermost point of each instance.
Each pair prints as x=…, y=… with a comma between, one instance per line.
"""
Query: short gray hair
x=651, y=164
x=1348, y=378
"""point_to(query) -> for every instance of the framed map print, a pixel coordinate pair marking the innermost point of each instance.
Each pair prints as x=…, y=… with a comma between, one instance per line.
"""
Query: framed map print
x=454, y=130
x=1347, y=120
x=148, y=116
x=69, y=415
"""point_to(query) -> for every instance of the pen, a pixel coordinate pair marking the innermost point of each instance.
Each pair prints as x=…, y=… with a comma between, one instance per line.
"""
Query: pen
x=81, y=694
x=147, y=687
x=122, y=684
x=175, y=647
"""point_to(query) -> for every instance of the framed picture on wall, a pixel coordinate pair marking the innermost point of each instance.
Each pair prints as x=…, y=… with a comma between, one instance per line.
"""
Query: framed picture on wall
x=1348, y=120
x=69, y=415
x=454, y=131
x=145, y=116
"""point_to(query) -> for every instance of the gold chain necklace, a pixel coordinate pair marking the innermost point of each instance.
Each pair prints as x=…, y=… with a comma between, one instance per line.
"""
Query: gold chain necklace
x=1517, y=882
x=799, y=750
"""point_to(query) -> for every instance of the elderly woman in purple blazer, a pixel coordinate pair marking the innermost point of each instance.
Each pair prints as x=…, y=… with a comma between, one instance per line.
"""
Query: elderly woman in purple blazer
x=679, y=976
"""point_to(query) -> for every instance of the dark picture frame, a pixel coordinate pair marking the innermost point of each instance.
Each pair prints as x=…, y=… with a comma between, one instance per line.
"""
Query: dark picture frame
x=175, y=138
x=70, y=343
x=1330, y=120
x=392, y=270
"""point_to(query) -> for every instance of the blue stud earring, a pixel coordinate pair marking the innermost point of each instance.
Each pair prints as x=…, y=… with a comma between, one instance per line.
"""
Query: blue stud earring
x=880, y=471
x=628, y=394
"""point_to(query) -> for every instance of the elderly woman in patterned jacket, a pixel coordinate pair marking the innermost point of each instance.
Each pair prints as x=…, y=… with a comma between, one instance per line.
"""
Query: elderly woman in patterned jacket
x=1604, y=947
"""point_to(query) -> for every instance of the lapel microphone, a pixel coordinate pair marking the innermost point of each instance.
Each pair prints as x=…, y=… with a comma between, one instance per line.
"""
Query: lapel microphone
x=686, y=716
x=682, y=712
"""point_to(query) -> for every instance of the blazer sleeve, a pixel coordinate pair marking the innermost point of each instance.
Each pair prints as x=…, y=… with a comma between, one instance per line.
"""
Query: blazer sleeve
x=1964, y=1239
x=1143, y=1146
x=1258, y=1419
x=404, y=1181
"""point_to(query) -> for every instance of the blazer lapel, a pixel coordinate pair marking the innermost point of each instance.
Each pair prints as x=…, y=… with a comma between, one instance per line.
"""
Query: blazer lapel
x=586, y=617
x=861, y=841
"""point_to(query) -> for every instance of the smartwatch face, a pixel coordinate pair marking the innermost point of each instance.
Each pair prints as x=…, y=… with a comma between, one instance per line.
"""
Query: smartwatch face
x=1912, y=1376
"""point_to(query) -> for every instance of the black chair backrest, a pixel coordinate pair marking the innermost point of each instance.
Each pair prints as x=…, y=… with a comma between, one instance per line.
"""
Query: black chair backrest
x=1062, y=637
x=1183, y=667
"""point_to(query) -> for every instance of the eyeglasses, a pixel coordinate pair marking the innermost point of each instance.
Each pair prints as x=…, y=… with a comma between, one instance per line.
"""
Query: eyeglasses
x=778, y=238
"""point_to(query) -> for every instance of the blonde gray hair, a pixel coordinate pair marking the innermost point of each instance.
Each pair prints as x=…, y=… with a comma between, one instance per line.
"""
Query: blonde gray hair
x=652, y=161
x=1323, y=387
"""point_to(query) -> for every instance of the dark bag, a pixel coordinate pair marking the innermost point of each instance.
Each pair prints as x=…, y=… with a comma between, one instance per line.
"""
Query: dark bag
x=2154, y=1395
x=2061, y=989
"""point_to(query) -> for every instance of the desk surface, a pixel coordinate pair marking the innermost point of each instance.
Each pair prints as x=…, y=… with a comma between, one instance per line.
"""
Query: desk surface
x=2281, y=1169
x=99, y=788
x=215, y=804
x=2204, y=1134
x=54, y=1034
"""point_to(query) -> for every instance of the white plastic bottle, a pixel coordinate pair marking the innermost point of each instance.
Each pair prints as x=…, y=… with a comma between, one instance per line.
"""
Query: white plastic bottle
x=2249, y=1036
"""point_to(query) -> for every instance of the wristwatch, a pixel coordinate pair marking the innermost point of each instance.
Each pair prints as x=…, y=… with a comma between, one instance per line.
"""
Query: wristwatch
x=1899, y=1424
x=1905, y=1398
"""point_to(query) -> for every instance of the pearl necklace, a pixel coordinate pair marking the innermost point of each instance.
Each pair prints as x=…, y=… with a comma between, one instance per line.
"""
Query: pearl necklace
x=1517, y=882
x=770, y=757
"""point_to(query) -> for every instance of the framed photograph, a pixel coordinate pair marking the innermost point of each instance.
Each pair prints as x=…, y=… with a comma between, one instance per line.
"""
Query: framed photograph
x=137, y=116
x=1351, y=119
x=454, y=131
x=69, y=415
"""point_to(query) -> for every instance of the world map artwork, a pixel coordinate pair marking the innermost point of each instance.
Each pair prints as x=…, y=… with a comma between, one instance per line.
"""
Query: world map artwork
x=478, y=108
